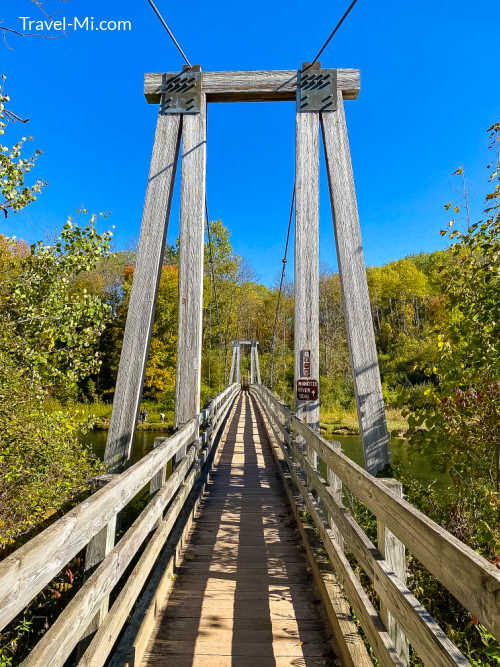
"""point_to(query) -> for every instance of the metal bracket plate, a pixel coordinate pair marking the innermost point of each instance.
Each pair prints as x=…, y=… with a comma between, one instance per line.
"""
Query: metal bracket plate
x=316, y=90
x=181, y=93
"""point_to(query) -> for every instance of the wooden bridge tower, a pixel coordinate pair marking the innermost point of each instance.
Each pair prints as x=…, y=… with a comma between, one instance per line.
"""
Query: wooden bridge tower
x=235, y=374
x=182, y=98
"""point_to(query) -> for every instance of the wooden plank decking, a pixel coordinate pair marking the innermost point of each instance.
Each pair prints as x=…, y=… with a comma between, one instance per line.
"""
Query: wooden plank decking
x=243, y=596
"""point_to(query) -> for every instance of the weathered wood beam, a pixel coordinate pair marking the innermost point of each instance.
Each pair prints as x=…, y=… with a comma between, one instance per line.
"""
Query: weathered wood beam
x=191, y=253
x=355, y=297
x=394, y=552
x=259, y=86
x=142, y=304
x=306, y=289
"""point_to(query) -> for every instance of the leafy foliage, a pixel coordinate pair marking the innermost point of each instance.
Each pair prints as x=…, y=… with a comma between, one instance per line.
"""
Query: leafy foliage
x=14, y=193
x=457, y=422
x=48, y=333
x=43, y=464
x=49, y=326
x=52, y=323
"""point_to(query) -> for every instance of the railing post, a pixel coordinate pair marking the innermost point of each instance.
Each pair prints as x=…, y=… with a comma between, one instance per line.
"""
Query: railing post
x=335, y=484
x=158, y=481
x=252, y=364
x=161, y=476
x=394, y=552
x=97, y=550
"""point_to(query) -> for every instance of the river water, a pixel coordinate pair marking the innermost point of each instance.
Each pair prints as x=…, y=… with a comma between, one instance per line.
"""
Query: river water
x=415, y=466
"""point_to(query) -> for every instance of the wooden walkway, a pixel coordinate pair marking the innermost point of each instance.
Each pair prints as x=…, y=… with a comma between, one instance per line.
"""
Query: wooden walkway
x=243, y=597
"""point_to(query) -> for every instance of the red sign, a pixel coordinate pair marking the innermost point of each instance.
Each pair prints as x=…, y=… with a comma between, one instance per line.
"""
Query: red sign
x=307, y=390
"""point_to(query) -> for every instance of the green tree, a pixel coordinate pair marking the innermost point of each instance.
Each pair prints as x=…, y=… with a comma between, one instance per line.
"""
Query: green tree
x=49, y=327
x=51, y=324
x=457, y=423
x=221, y=304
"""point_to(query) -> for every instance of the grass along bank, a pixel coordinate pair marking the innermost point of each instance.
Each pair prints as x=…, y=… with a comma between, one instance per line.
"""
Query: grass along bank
x=344, y=421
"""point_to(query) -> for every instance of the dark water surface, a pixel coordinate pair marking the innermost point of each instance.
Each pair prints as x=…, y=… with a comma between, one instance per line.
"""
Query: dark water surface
x=142, y=445
x=415, y=466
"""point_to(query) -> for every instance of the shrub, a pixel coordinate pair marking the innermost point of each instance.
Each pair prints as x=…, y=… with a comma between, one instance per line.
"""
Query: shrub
x=43, y=463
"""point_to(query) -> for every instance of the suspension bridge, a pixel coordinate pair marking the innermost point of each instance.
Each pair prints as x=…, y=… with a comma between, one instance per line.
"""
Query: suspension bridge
x=245, y=553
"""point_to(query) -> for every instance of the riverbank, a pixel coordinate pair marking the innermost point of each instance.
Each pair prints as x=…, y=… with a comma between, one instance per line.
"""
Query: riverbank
x=99, y=414
x=337, y=421
x=162, y=427
x=341, y=421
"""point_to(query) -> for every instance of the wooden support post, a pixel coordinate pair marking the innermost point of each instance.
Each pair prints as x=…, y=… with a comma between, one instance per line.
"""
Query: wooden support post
x=257, y=365
x=142, y=302
x=97, y=549
x=357, y=312
x=158, y=481
x=191, y=249
x=307, y=258
x=233, y=363
x=394, y=552
x=335, y=484
x=237, y=362
x=252, y=363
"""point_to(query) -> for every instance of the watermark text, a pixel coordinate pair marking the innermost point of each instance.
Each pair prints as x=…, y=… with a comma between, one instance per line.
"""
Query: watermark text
x=75, y=24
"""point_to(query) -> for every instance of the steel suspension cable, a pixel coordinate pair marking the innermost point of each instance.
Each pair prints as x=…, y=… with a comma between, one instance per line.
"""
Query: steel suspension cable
x=211, y=263
x=283, y=271
x=172, y=37
x=330, y=37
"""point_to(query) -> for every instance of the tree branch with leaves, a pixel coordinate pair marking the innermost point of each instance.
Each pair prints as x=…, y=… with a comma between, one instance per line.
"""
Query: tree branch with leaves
x=15, y=194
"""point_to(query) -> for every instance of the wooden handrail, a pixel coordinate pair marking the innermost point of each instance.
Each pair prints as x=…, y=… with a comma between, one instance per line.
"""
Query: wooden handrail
x=58, y=642
x=466, y=574
x=28, y=570
x=429, y=641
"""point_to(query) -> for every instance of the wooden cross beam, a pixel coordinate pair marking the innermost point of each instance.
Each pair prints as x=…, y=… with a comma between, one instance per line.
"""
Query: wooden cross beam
x=259, y=86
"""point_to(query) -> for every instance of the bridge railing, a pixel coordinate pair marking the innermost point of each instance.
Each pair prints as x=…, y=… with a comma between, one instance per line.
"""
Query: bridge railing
x=471, y=579
x=33, y=566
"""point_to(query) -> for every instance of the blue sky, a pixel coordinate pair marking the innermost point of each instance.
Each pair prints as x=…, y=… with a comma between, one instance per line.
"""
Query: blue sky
x=429, y=89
